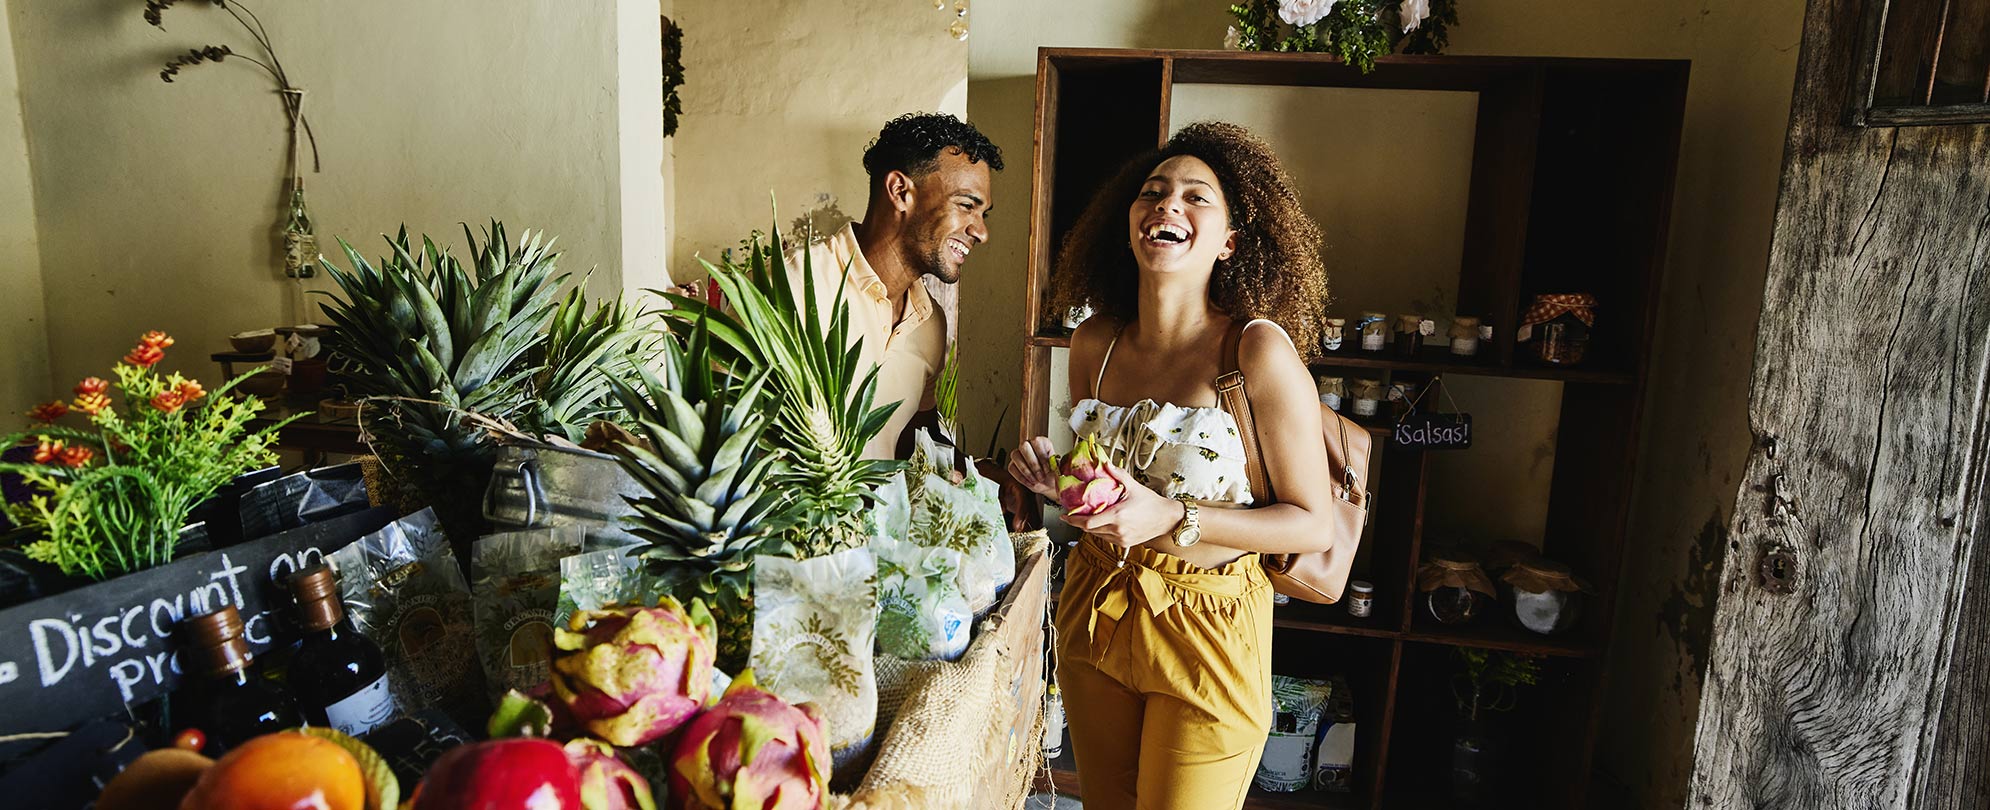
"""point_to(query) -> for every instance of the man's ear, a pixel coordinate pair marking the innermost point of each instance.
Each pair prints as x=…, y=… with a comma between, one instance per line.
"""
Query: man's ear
x=898, y=187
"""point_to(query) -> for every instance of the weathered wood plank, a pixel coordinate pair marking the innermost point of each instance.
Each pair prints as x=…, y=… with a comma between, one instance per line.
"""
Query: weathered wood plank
x=1870, y=371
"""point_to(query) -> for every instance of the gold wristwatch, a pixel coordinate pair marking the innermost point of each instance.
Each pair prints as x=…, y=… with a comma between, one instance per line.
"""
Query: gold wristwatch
x=1189, y=531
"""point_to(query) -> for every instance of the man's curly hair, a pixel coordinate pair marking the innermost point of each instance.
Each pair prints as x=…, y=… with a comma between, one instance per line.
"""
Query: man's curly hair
x=1275, y=273
x=912, y=144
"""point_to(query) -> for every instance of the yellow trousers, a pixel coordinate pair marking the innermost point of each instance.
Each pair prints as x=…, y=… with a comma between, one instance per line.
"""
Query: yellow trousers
x=1166, y=674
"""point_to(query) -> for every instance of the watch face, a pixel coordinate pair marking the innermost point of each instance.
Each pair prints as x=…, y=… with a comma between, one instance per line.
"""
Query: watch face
x=1188, y=537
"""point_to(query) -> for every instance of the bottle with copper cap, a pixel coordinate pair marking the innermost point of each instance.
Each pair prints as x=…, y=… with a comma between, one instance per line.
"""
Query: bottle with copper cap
x=226, y=697
x=337, y=676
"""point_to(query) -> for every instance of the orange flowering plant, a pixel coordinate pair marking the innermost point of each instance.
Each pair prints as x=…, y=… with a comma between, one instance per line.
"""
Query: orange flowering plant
x=110, y=498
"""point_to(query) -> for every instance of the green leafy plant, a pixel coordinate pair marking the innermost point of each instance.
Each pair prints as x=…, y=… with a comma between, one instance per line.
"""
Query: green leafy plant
x=707, y=507
x=946, y=394
x=1487, y=680
x=673, y=74
x=1357, y=31
x=442, y=351
x=111, y=499
x=585, y=354
x=824, y=416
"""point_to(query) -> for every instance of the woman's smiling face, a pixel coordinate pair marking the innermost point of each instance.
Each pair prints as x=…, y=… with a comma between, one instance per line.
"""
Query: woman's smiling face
x=1179, y=220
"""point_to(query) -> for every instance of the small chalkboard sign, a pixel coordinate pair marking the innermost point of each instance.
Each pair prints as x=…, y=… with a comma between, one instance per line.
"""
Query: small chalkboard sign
x=90, y=652
x=1433, y=431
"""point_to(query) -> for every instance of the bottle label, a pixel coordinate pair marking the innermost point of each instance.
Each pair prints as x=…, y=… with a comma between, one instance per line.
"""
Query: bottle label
x=364, y=710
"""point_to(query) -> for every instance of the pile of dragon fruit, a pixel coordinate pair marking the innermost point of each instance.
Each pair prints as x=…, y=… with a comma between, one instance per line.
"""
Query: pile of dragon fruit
x=640, y=681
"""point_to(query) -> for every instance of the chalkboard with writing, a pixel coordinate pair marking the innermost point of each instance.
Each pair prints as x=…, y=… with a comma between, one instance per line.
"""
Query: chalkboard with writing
x=1433, y=431
x=87, y=653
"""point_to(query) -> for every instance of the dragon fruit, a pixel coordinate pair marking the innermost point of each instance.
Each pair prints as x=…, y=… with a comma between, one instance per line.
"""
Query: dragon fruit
x=606, y=782
x=630, y=676
x=1083, y=485
x=751, y=751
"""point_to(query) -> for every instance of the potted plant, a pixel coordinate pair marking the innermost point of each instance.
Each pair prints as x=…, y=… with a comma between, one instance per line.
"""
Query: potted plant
x=444, y=351
x=814, y=594
x=1487, y=681
x=111, y=498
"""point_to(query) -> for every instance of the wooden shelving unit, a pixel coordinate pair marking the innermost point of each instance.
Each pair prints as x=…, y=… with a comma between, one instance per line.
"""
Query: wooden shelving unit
x=1570, y=190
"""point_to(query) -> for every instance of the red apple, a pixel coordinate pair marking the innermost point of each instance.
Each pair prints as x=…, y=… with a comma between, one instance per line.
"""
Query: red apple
x=513, y=774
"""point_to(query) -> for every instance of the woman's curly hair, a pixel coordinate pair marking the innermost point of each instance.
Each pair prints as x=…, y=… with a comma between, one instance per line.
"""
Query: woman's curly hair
x=1275, y=273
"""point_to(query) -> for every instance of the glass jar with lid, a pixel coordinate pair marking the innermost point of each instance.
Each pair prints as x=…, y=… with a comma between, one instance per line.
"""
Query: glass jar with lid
x=1455, y=589
x=1544, y=596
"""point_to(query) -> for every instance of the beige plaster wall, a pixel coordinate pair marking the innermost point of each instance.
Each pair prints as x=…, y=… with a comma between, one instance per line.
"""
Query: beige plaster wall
x=1696, y=431
x=23, y=319
x=1744, y=57
x=158, y=202
x=783, y=96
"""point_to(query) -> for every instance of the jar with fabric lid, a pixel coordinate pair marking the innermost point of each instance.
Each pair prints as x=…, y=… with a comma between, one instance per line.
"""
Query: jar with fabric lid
x=1374, y=329
x=1367, y=396
x=1465, y=336
x=1409, y=335
x=1455, y=589
x=1333, y=392
x=1333, y=334
x=1403, y=396
x=1544, y=596
x=1559, y=326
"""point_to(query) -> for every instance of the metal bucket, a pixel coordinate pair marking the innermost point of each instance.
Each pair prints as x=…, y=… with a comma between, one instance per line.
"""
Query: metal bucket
x=538, y=486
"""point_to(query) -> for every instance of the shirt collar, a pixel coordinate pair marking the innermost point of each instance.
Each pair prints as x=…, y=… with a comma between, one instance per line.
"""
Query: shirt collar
x=844, y=249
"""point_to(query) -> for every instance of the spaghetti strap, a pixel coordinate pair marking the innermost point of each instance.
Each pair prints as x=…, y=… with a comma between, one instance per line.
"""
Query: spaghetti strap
x=1101, y=380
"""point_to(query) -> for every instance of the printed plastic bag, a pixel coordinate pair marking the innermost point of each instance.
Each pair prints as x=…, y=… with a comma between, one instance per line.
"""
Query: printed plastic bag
x=921, y=612
x=959, y=510
x=1288, y=751
x=403, y=589
x=302, y=498
x=515, y=589
x=814, y=624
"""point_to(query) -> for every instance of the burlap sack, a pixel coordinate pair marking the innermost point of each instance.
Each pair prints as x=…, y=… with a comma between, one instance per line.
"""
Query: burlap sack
x=966, y=734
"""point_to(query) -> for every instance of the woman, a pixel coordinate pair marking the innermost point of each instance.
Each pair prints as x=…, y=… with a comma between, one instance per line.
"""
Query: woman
x=1164, y=623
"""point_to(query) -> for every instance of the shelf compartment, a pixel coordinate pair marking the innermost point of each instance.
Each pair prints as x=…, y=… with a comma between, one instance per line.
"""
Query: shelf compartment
x=1490, y=633
x=1435, y=363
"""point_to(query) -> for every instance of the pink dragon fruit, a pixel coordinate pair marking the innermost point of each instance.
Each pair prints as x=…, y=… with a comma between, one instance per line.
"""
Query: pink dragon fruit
x=606, y=782
x=1083, y=485
x=632, y=675
x=751, y=751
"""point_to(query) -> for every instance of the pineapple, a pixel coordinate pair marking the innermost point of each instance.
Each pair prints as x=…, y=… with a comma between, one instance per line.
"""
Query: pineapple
x=825, y=414
x=432, y=341
x=584, y=354
x=708, y=508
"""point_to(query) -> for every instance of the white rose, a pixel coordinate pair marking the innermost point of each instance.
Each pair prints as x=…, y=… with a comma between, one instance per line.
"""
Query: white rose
x=1233, y=39
x=1414, y=12
x=1304, y=12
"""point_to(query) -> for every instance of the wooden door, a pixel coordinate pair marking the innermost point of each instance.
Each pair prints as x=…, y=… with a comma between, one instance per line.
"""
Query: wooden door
x=1851, y=657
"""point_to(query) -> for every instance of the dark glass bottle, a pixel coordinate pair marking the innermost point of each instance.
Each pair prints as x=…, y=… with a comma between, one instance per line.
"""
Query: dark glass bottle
x=226, y=697
x=337, y=676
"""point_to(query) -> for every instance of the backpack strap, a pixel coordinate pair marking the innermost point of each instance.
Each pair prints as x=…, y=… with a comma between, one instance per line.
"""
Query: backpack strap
x=1231, y=395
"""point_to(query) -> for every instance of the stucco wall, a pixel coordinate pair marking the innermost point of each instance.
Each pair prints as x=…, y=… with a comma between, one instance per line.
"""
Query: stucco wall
x=158, y=202
x=1696, y=435
x=782, y=96
x=23, y=320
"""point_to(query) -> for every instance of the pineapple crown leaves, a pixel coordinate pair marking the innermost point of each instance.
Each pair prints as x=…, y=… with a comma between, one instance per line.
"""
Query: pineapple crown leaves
x=438, y=338
x=825, y=415
x=705, y=476
x=585, y=353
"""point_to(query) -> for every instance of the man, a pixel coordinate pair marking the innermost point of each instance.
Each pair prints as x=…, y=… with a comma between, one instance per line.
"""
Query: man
x=929, y=205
